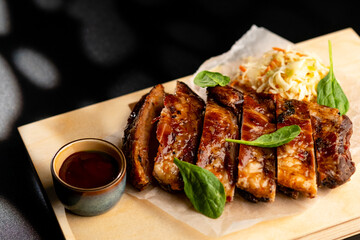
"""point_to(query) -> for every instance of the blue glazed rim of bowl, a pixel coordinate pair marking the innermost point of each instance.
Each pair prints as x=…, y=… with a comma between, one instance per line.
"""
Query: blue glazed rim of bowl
x=119, y=177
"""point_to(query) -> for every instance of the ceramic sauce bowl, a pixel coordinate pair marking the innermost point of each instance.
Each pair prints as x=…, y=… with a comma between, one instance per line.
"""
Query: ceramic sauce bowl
x=89, y=176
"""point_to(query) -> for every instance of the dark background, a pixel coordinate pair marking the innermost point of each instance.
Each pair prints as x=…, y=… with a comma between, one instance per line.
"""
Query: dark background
x=60, y=55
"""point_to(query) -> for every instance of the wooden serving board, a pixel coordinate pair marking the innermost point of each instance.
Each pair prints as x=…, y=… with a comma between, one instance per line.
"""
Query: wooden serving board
x=337, y=215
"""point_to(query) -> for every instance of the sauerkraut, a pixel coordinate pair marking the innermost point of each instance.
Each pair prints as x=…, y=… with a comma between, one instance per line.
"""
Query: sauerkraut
x=290, y=73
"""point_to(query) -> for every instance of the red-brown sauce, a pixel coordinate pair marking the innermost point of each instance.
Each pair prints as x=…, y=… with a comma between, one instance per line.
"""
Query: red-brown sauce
x=89, y=169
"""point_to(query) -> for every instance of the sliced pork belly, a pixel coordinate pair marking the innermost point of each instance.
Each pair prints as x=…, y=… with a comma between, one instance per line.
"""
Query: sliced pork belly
x=296, y=160
x=256, y=168
x=332, y=134
x=215, y=154
x=178, y=132
x=138, y=142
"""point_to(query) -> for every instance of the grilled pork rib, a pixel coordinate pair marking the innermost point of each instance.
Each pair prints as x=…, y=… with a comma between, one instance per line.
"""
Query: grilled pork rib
x=215, y=154
x=296, y=159
x=138, y=142
x=332, y=134
x=256, y=169
x=178, y=132
x=227, y=96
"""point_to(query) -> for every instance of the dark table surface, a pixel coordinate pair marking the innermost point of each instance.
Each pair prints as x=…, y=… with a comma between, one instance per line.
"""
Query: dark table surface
x=60, y=55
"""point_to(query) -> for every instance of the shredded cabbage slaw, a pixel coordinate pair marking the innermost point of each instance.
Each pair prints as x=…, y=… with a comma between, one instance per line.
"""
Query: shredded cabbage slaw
x=290, y=73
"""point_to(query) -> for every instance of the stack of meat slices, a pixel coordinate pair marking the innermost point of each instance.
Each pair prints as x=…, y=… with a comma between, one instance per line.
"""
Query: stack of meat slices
x=163, y=126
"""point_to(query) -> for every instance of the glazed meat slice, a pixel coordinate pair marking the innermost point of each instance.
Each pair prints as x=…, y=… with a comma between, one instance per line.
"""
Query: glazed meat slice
x=178, y=132
x=139, y=143
x=331, y=134
x=296, y=160
x=256, y=168
x=215, y=154
x=227, y=96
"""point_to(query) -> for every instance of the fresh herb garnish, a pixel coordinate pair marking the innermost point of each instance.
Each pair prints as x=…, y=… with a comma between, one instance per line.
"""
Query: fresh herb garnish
x=203, y=188
x=329, y=91
x=210, y=79
x=275, y=139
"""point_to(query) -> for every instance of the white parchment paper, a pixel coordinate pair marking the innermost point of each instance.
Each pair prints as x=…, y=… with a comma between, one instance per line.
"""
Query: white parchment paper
x=254, y=43
x=238, y=214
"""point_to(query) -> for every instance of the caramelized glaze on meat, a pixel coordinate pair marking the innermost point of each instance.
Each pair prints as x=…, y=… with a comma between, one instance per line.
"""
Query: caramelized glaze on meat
x=178, y=132
x=138, y=142
x=215, y=154
x=227, y=96
x=296, y=159
x=256, y=169
x=332, y=134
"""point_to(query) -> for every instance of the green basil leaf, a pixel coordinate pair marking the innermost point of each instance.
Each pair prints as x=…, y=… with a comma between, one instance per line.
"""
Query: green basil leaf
x=210, y=79
x=330, y=92
x=275, y=139
x=203, y=188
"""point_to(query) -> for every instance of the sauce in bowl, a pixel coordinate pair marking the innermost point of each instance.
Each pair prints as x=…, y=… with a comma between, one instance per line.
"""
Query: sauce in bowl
x=89, y=169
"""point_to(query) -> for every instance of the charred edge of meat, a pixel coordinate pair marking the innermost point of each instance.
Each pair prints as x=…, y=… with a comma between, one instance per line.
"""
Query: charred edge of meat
x=250, y=197
x=153, y=147
x=288, y=191
x=131, y=120
x=228, y=97
x=181, y=87
x=126, y=146
x=332, y=146
x=346, y=167
x=289, y=110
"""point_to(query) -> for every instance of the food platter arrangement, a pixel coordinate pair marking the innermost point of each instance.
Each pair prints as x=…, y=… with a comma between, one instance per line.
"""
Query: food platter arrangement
x=259, y=137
